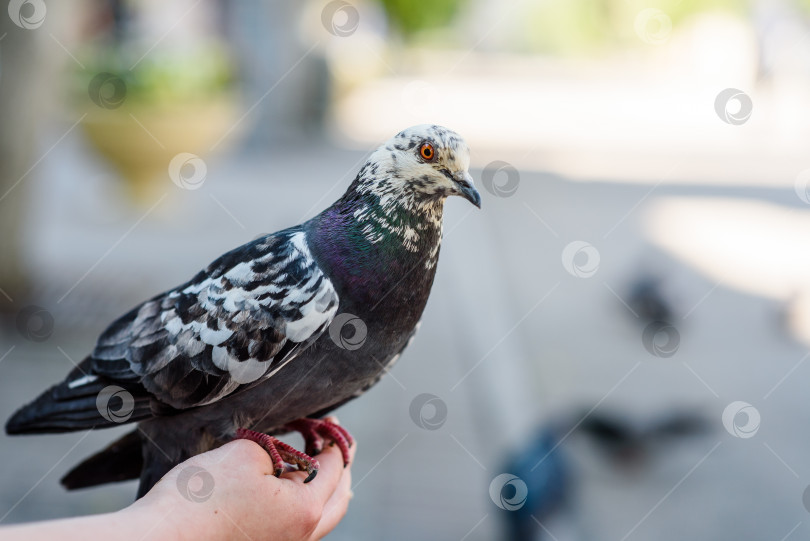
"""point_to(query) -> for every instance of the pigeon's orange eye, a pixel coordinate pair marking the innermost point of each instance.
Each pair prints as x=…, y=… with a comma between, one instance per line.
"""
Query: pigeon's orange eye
x=427, y=152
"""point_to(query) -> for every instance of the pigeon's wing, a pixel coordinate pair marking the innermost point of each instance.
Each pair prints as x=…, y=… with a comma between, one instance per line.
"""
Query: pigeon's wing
x=233, y=325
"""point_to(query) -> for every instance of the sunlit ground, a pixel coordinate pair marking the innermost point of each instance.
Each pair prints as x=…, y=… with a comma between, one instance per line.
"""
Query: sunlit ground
x=756, y=247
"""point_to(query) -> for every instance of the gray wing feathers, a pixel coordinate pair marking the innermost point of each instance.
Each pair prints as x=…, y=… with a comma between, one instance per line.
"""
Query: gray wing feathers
x=235, y=324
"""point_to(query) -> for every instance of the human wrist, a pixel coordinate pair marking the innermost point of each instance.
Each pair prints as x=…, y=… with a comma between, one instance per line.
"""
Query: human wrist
x=172, y=517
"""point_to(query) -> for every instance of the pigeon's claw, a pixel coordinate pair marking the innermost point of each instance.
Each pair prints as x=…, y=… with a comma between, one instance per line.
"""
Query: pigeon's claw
x=281, y=453
x=317, y=431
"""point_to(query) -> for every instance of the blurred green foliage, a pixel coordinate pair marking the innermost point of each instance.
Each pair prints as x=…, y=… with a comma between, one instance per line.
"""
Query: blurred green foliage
x=574, y=26
x=198, y=73
x=683, y=9
x=410, y=18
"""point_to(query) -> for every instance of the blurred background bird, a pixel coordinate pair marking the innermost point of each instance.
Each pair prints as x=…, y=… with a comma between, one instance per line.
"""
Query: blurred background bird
x=647, y=299
x=570, y=458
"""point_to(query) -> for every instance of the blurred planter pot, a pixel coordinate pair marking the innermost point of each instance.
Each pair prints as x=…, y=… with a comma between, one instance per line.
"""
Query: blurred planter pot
x=141, y=139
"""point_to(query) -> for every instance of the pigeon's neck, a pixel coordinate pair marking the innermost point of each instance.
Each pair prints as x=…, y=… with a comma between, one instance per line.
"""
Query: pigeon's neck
x=372, y=242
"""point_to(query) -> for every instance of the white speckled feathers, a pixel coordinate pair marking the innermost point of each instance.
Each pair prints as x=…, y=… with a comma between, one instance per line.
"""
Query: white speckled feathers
x=236, y=323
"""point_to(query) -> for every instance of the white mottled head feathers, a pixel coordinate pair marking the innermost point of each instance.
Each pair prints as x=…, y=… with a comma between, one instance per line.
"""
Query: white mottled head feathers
x=400, y=174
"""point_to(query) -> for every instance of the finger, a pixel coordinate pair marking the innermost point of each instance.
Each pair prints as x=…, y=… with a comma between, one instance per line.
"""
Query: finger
x=241, y=453
x=300, y=476
x=352, y=448
x=352, y=452
x=334, y=420
x=331, y=470
x=329, y=475
x=335, y=509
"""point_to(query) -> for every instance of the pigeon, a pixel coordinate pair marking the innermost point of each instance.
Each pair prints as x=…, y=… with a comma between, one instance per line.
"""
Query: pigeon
x=630, y=445
x=648, y=300
x=273, y=335
x=547, y=477
x=560, y=455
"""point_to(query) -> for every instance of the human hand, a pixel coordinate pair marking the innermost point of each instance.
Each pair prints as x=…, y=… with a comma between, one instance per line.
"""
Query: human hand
x=236, y=493
x=226, y=493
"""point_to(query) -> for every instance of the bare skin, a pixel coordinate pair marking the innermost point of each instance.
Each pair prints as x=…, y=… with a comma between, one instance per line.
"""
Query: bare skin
x=246, y=500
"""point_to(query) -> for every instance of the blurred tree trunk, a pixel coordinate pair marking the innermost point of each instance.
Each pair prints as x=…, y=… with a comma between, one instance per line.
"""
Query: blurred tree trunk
x=27, y=68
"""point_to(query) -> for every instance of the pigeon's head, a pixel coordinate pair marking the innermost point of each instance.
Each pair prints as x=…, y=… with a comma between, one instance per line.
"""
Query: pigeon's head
x=419, y=165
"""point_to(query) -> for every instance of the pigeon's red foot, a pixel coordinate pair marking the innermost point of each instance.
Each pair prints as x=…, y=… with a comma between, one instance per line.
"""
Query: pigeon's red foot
x=317, y=431
x=281, y=453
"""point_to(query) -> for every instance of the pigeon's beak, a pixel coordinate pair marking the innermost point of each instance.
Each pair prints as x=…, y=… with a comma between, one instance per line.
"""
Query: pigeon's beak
x=466, y=189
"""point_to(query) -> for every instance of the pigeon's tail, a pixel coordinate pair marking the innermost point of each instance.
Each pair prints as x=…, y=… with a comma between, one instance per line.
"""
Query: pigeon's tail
x=78, y=403
x=131, y=457
x=122, y=460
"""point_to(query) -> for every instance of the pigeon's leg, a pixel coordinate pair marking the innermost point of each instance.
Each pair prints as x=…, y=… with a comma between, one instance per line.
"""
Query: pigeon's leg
x=317, y=431
x=280, y=453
